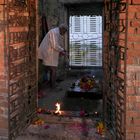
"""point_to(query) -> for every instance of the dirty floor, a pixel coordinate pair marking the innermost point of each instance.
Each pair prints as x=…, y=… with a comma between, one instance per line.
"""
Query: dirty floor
x=65, y=127
x=51, y=96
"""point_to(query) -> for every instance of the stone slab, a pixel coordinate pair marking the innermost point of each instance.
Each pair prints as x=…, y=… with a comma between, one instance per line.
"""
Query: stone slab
x=63, y=128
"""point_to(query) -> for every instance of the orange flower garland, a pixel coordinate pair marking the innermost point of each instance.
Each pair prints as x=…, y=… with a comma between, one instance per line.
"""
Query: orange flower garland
x=38, y=121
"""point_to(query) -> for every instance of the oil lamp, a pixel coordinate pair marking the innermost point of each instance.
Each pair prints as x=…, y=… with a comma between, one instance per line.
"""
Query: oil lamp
x=57, y=109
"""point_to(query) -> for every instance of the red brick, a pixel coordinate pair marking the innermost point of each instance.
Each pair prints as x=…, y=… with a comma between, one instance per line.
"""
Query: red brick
x=130, y=106
x=1, y=110
x=3, y=77
x=18, y=29
x=2, y=1
x=132, y=129
x=133, y=90
x=133, y=38
x=3, y=90
x=130, y=91
x=4, y=134
x=130, y=136
x=1, y=35
x=131, y=76
x=136, y=122
x=134, y=83
x=122, y=15
x=133, y=53
x=133, y=8
x=2, y=43
x=134, y=76
x=132, y=99
x=134, y=15
x=2, y=98
x=135, y=2
x=122, y=36
x=137, y=105
x=2, y=84
x=4, y=104
x=134, y=23
x=135, y=61
x=3, y=123
x=131, y=68
x=134, y=46
x=137, y=136
x=134, y=114
x=131, y=30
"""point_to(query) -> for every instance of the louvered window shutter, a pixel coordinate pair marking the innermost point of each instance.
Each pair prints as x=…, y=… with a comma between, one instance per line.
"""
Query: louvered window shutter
x=76, y=56
x=93, y=24
x=77, y=24
x=85, y=41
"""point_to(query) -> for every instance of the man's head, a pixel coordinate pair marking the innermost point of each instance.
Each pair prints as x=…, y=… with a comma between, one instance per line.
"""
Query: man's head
x=63, y=28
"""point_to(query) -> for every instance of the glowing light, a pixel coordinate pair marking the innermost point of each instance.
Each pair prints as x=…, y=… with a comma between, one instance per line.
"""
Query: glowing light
x=96, y=113
x=57, y=108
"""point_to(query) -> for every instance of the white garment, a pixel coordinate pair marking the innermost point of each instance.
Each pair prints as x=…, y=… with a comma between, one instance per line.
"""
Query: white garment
x=50, y=47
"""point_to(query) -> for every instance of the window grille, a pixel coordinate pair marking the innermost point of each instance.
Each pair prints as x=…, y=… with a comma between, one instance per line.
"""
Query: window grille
x=77, y=24
x=85, y=47
x=93, y=24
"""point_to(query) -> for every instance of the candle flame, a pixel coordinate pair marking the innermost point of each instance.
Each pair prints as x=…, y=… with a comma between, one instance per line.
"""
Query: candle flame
x=57, y=108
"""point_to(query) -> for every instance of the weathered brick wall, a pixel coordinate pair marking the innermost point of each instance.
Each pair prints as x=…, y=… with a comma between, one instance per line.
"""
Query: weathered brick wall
x=129, y=39
x=3, y=77
x=133, y=72
x=12, y=39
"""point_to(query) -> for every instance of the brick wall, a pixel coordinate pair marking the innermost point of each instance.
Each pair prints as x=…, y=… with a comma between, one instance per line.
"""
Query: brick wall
x=3, y=78
x=133, y=72
x=129, y=38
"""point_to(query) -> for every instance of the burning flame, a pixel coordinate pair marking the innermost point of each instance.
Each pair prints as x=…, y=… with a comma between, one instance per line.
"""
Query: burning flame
x=57, y=108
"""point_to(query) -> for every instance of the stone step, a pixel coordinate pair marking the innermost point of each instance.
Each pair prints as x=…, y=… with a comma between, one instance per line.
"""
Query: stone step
x=63, y=128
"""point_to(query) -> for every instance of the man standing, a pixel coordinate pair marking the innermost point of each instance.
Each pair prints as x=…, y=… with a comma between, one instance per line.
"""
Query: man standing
x=49, y=50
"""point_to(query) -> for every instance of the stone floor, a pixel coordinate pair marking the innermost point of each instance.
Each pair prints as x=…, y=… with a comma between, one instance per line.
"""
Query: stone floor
x=52, y=96
x=65, y=127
